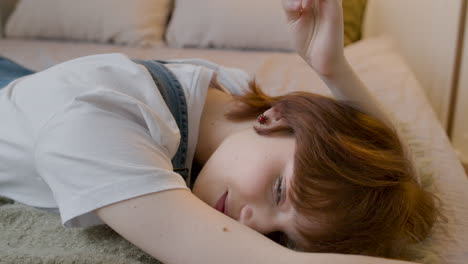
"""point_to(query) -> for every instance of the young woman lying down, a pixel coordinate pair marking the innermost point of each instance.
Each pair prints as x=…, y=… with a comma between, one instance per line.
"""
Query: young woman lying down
x=108, y=140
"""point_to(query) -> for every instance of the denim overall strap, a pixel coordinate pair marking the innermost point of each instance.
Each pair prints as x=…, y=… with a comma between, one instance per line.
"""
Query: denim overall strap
x=173, y=94
x=9, y=71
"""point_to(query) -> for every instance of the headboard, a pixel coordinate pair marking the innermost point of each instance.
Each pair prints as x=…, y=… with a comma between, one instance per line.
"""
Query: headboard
x=427, y=34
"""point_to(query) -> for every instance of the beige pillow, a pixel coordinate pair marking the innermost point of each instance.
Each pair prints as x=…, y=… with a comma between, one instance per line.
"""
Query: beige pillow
x=258, y=24
x=243, y=24
x=131, y=22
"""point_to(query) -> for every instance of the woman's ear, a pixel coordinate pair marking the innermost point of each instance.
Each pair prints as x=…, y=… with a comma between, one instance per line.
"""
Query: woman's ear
x=271, y=120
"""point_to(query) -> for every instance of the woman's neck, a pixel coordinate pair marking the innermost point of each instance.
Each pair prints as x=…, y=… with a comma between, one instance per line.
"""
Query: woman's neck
x=214, y=127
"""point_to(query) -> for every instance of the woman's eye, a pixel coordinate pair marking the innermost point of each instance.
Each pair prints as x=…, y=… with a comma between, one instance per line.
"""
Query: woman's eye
x=279, y=190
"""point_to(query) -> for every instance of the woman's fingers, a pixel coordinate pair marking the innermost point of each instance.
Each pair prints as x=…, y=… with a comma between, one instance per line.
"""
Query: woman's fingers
x=308, y=4
x=293, y=9
x=296, y=8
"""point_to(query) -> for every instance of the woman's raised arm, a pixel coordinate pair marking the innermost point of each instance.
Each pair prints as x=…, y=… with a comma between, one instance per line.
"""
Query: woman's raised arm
x=316, y=28
x=176, y=227
x=346, y=85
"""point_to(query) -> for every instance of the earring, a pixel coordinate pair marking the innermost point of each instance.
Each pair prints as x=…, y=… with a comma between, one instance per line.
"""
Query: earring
x=262, y=119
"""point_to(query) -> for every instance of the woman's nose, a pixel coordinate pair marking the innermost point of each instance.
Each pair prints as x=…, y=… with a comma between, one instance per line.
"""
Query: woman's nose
x=246, y=216
x=253, y=219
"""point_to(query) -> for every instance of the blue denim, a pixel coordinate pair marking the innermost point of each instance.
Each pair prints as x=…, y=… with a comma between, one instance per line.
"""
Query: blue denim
x=9, y=71
x=169, y=87
x=173, y=94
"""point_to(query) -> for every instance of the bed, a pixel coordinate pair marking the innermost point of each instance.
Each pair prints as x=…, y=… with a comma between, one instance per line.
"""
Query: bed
x=34, y=236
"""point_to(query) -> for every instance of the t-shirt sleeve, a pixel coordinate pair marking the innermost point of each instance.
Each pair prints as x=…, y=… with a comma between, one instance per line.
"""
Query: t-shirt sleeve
x=102, y=148
x=233, y=80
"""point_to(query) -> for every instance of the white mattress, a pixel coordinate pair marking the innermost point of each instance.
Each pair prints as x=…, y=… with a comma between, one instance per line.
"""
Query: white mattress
x=380, y=67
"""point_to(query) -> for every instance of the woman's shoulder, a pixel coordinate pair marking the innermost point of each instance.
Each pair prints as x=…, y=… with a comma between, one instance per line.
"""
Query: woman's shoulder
x=228, y=79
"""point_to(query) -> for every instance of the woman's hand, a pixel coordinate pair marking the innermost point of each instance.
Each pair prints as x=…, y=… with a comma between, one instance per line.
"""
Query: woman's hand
x=316, y=27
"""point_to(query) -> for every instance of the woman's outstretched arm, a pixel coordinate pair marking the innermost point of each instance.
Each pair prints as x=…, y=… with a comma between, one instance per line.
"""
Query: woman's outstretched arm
x=316, y=27
x=176, y=227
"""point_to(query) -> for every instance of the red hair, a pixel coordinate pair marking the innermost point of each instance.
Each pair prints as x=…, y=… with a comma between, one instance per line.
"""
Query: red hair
x=350, y=175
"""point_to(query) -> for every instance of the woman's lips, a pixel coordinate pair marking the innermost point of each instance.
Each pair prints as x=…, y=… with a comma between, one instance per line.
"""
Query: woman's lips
x=221, y=203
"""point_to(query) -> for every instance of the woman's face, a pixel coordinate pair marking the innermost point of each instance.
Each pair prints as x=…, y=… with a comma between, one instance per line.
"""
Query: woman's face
x=255, y=172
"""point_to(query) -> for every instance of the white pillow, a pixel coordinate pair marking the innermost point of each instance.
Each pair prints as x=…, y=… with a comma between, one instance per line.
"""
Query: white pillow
x=135, y=22
x=259, y=24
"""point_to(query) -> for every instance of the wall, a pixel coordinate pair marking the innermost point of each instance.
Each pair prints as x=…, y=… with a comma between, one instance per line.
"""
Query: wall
x=460, y=122
x=426, y=32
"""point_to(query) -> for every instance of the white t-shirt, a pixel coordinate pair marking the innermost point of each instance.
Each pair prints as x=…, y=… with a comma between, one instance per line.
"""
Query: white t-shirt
x=95, y=130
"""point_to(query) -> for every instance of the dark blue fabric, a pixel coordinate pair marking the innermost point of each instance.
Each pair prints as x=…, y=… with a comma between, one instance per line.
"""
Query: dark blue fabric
x=9, y=71
x=173, y=94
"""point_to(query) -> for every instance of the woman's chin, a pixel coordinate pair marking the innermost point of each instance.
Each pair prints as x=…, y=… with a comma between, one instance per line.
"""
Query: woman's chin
x=202, y=193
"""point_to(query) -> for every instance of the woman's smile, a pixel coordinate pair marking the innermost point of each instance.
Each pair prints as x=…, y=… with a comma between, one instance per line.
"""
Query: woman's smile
x=221, y=203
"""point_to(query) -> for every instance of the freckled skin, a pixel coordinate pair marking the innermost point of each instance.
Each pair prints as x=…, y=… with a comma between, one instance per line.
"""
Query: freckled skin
x=247, y=166
x=235, y=159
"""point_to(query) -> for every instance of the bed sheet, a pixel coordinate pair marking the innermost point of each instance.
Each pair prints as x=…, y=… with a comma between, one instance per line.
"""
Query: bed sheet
x=379, y=65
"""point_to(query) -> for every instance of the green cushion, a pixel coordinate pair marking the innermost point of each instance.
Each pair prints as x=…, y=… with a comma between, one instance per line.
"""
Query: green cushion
x=353, y=15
